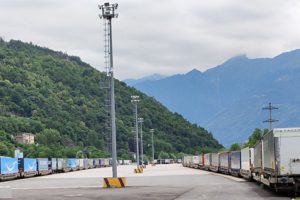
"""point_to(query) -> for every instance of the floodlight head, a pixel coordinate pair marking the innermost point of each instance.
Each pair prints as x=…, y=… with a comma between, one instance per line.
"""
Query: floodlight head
x=108, y=10
x=134, y=96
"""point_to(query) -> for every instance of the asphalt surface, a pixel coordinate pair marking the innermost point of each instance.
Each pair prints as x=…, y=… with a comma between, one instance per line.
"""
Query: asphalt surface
x=157, y=182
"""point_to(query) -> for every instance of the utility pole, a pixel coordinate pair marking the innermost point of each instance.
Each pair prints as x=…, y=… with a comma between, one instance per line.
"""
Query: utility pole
x=270, y=120
x=152, y=131
x=135, y=100
x=141, y=120
x=108, y=12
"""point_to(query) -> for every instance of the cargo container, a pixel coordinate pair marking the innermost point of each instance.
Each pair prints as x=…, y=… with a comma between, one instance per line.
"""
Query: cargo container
x=214, y=164
x=43, y=166
x=187, y=161
x=127, y=162
x=281, y=158
x=8, y=168
x=224, y=162
x=27, y=167
x=52, y=162
x=120, y=162
x=106, y=162
x=60, y=163
x=91, y=163
x=257, y=164
x=80, y=163
x=247, y=158
x=71, y=162
x=65, y=165
x=85, y=163
x=102, y=162
x=167, y=161
x=195, y=161
x=235, y=163
x=207, y=160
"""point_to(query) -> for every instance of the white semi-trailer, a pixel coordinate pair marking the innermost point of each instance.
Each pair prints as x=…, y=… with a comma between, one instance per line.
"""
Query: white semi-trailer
x=214, y=165
x=247, y=157
x=280, y=158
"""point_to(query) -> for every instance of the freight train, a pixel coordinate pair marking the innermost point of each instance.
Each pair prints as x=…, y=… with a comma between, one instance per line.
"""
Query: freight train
x=12, y=168
x=274, y=161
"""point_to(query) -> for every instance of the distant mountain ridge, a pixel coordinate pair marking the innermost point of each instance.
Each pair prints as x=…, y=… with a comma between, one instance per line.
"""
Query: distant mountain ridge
x=153, y=77
x=228, y=99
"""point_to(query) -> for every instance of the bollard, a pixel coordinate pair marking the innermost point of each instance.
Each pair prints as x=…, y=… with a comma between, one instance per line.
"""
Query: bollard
x=114, y=182
x=5, y=192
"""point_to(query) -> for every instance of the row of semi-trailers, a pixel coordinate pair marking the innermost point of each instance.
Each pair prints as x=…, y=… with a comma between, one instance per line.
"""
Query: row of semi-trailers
x=273, y=161
x=11, y=168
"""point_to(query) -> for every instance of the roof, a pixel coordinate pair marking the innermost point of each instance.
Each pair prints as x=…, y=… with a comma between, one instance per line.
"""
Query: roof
x=287, y=132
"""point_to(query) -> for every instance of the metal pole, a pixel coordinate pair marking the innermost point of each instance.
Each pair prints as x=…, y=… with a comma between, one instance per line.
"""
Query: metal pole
x=152, y=130
x=142, y=153
x=113, y=112
x=270, y=124
x=270, y=120
x=137, y=136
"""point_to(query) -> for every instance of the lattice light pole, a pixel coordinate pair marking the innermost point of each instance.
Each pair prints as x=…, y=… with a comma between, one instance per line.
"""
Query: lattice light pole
x=152, y=131
x=108, y=12
x=141, y=120
x=135, y=100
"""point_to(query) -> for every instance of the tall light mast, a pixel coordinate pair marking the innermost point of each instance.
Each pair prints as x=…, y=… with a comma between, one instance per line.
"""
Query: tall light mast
x=152, y=131
x=108, y=12
x=135, y=100
x=141, y=120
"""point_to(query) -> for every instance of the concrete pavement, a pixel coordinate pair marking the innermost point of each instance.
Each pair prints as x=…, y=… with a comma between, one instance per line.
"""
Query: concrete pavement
x=158, y=182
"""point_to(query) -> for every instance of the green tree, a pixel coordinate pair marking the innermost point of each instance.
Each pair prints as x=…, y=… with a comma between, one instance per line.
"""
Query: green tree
x=255, y=137
x=235, y=147
x=163, y=155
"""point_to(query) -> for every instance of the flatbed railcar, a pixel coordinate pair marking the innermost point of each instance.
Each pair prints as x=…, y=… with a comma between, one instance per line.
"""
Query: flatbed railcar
x=12, y=168
x=274, y=161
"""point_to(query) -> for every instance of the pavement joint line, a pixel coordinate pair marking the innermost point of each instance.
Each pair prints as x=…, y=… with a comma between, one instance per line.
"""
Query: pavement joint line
x=182, y=193
x=230, y=177
x=55, y=188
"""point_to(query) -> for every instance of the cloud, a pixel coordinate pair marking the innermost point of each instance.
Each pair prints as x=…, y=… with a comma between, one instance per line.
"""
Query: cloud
x=168, y=36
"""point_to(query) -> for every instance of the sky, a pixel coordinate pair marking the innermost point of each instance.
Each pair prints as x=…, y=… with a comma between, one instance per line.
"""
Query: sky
x=157, y=36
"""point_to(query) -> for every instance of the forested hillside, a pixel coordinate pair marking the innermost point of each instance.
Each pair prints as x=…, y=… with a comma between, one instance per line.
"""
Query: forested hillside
x=59, y=99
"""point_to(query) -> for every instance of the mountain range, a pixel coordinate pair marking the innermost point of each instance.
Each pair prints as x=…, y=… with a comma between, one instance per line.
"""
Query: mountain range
x=228, y=99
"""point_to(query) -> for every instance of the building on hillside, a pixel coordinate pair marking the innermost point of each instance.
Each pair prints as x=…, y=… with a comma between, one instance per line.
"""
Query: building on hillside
x=25, y=138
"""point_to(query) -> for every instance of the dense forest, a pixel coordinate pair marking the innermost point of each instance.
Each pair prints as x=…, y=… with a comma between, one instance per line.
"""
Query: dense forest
x=59, y=98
